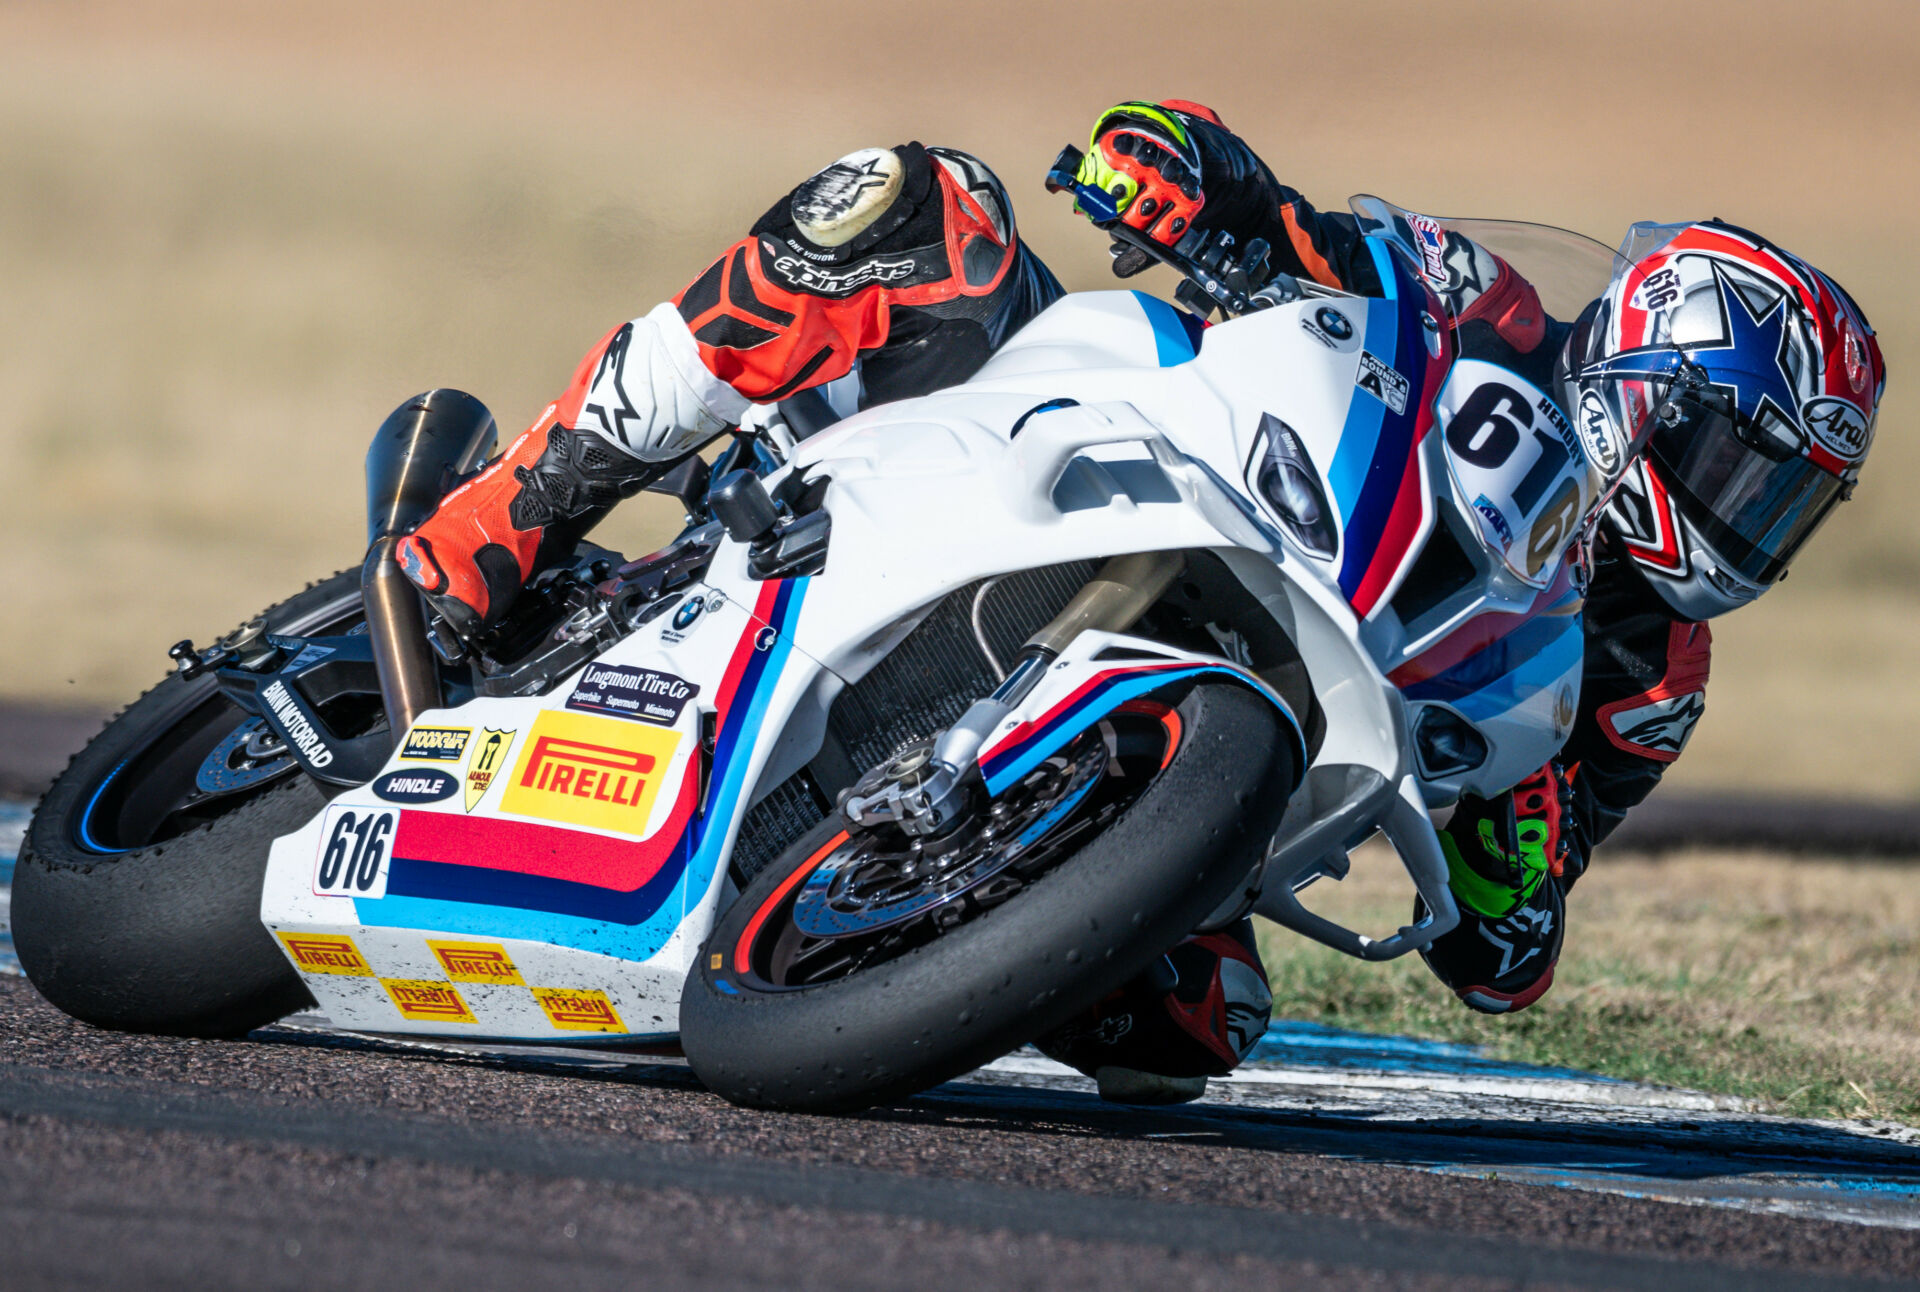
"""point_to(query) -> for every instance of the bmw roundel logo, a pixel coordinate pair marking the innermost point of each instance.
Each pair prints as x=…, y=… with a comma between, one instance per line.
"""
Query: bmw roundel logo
x=1334, y=322
x=688, y=612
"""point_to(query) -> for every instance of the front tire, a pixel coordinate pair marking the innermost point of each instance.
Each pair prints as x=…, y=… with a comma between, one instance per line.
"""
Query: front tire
x=1010, y=972
x=136, y=901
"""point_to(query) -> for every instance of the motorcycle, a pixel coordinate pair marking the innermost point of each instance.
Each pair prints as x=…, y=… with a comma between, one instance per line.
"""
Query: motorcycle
x=932, y=728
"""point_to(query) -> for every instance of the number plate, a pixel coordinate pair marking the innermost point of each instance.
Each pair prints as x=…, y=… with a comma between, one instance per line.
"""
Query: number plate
x=355, y=843
x=1518, y=464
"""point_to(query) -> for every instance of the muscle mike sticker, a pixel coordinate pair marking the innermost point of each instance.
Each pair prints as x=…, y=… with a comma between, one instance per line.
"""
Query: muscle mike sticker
x=584, y=770
x=489, y=756
x=638, y=693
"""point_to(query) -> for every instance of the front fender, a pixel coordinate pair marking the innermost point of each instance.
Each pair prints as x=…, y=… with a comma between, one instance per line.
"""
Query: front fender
x=1097, y=674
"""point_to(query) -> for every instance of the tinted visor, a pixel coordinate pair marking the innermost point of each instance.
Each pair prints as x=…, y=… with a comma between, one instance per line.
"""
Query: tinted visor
x=1745, y=484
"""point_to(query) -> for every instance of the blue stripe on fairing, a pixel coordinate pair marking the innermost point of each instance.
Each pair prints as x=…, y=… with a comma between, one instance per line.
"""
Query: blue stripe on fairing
x=1379, y=486
x=1010, y=765
x=1494, y=689
x=1172, y=342
x=597, y=926
x=1347, y=474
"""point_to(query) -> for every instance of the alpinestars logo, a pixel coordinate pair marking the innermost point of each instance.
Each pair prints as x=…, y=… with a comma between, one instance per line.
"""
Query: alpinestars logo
x=1663, y=725
x=815, y=278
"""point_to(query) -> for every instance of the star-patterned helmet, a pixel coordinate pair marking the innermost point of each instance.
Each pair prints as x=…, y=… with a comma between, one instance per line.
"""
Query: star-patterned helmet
x=1751, y=379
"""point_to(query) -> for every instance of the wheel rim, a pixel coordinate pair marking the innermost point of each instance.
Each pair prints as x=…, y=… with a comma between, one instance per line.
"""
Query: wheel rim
x=200, y=760
x=868, y=897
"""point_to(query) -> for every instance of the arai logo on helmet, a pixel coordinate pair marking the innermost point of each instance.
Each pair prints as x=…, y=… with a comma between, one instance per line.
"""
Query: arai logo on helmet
x=1597, y=434
x=1838, y=424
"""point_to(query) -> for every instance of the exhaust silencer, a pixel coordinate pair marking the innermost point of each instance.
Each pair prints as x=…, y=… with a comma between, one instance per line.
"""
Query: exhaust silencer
x=416, y=455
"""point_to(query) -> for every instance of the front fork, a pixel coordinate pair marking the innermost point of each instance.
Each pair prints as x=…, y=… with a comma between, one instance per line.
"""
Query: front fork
x=937, y=794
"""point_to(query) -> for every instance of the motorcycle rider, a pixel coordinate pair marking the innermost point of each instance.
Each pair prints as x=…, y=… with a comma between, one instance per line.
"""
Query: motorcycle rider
x=890, y=273
x=1752, y=378
x=894, y=272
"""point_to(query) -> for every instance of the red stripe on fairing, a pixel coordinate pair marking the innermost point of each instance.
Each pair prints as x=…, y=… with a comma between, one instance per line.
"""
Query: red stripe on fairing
x=1478, y=633
x=1396, y=540
x=550, y=852
x=1033, y=727
x=1410, y=502
x=761, y=616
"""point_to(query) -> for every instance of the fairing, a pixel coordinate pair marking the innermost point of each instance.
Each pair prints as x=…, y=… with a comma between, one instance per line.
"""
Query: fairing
x=524, y=908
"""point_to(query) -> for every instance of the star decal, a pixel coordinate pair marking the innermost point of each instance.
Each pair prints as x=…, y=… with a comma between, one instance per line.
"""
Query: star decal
x=1749, y=365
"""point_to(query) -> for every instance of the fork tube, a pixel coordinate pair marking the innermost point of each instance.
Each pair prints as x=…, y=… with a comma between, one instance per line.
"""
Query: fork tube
x=1113, y=600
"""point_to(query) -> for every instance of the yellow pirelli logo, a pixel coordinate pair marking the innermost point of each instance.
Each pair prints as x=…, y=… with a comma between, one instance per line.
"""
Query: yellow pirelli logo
x=325, y=953
x=483, y=962
x=427, y=1002
x=573, y=1009
x=583, y=770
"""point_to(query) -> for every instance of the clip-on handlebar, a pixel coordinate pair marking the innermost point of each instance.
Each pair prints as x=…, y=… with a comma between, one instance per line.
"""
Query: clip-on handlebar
x=1214, y=278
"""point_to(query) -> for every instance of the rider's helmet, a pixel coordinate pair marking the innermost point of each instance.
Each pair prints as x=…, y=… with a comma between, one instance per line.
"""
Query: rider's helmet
x=1751, y=378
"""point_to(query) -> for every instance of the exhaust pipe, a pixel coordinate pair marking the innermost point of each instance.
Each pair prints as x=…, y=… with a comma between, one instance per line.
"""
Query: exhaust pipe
x=414, y=459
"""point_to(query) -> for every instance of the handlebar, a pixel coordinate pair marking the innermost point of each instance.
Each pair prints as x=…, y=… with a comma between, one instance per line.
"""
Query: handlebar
x=1215, y=278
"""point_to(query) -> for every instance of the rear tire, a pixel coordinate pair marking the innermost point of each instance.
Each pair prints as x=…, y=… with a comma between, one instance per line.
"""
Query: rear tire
x=1013, y=971
x=162, y=933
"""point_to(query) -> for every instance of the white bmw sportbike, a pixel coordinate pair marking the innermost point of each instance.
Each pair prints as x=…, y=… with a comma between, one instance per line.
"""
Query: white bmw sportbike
x=925, y=735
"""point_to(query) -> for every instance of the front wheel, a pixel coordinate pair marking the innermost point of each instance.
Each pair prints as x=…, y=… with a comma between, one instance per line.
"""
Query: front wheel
x=136, y=897
x=860, y=968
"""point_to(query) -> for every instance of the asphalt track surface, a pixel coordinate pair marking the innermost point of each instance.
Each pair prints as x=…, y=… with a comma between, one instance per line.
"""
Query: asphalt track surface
x=297, y=1156
x=301, y=1156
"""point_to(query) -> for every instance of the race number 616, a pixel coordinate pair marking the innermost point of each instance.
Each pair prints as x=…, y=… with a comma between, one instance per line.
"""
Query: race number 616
x=354, y=846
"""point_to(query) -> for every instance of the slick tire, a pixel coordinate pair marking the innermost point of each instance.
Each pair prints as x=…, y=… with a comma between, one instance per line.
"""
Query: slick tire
x=1017, y=970
x=165, y=938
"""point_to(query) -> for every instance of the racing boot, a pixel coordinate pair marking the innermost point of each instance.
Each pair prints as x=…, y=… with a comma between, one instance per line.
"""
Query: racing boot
x=1507, y=868
x=1195, y=1013
x=524, y=511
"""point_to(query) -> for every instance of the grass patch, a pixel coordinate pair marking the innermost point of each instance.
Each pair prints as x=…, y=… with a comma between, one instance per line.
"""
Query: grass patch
x=1791, y=981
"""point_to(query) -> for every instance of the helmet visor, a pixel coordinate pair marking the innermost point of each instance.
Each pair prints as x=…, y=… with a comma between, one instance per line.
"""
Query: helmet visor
x=1744, y=482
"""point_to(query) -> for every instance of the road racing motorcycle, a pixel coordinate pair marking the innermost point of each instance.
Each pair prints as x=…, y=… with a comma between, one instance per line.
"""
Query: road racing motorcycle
x=932, y=728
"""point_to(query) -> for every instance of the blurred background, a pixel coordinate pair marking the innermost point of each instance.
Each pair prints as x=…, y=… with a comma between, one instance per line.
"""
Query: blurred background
x=233, y=236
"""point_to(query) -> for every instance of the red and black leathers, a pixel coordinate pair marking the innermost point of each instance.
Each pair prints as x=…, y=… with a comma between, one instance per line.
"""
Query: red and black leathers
x=935, y=280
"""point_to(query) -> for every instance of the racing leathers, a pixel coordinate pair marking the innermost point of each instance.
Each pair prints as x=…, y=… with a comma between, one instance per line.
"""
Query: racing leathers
x=898, y=270
x=1643, y=683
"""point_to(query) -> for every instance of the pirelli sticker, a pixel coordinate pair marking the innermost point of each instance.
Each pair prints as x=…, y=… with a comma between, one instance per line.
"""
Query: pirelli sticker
x=476, y=962
x=436, y=744
x=573, y=1009
x=325, y=953
x=580, y=769
x=423, y=1001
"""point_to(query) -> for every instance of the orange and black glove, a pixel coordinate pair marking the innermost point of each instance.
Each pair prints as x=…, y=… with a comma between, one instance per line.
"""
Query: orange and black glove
x=1172, y=167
